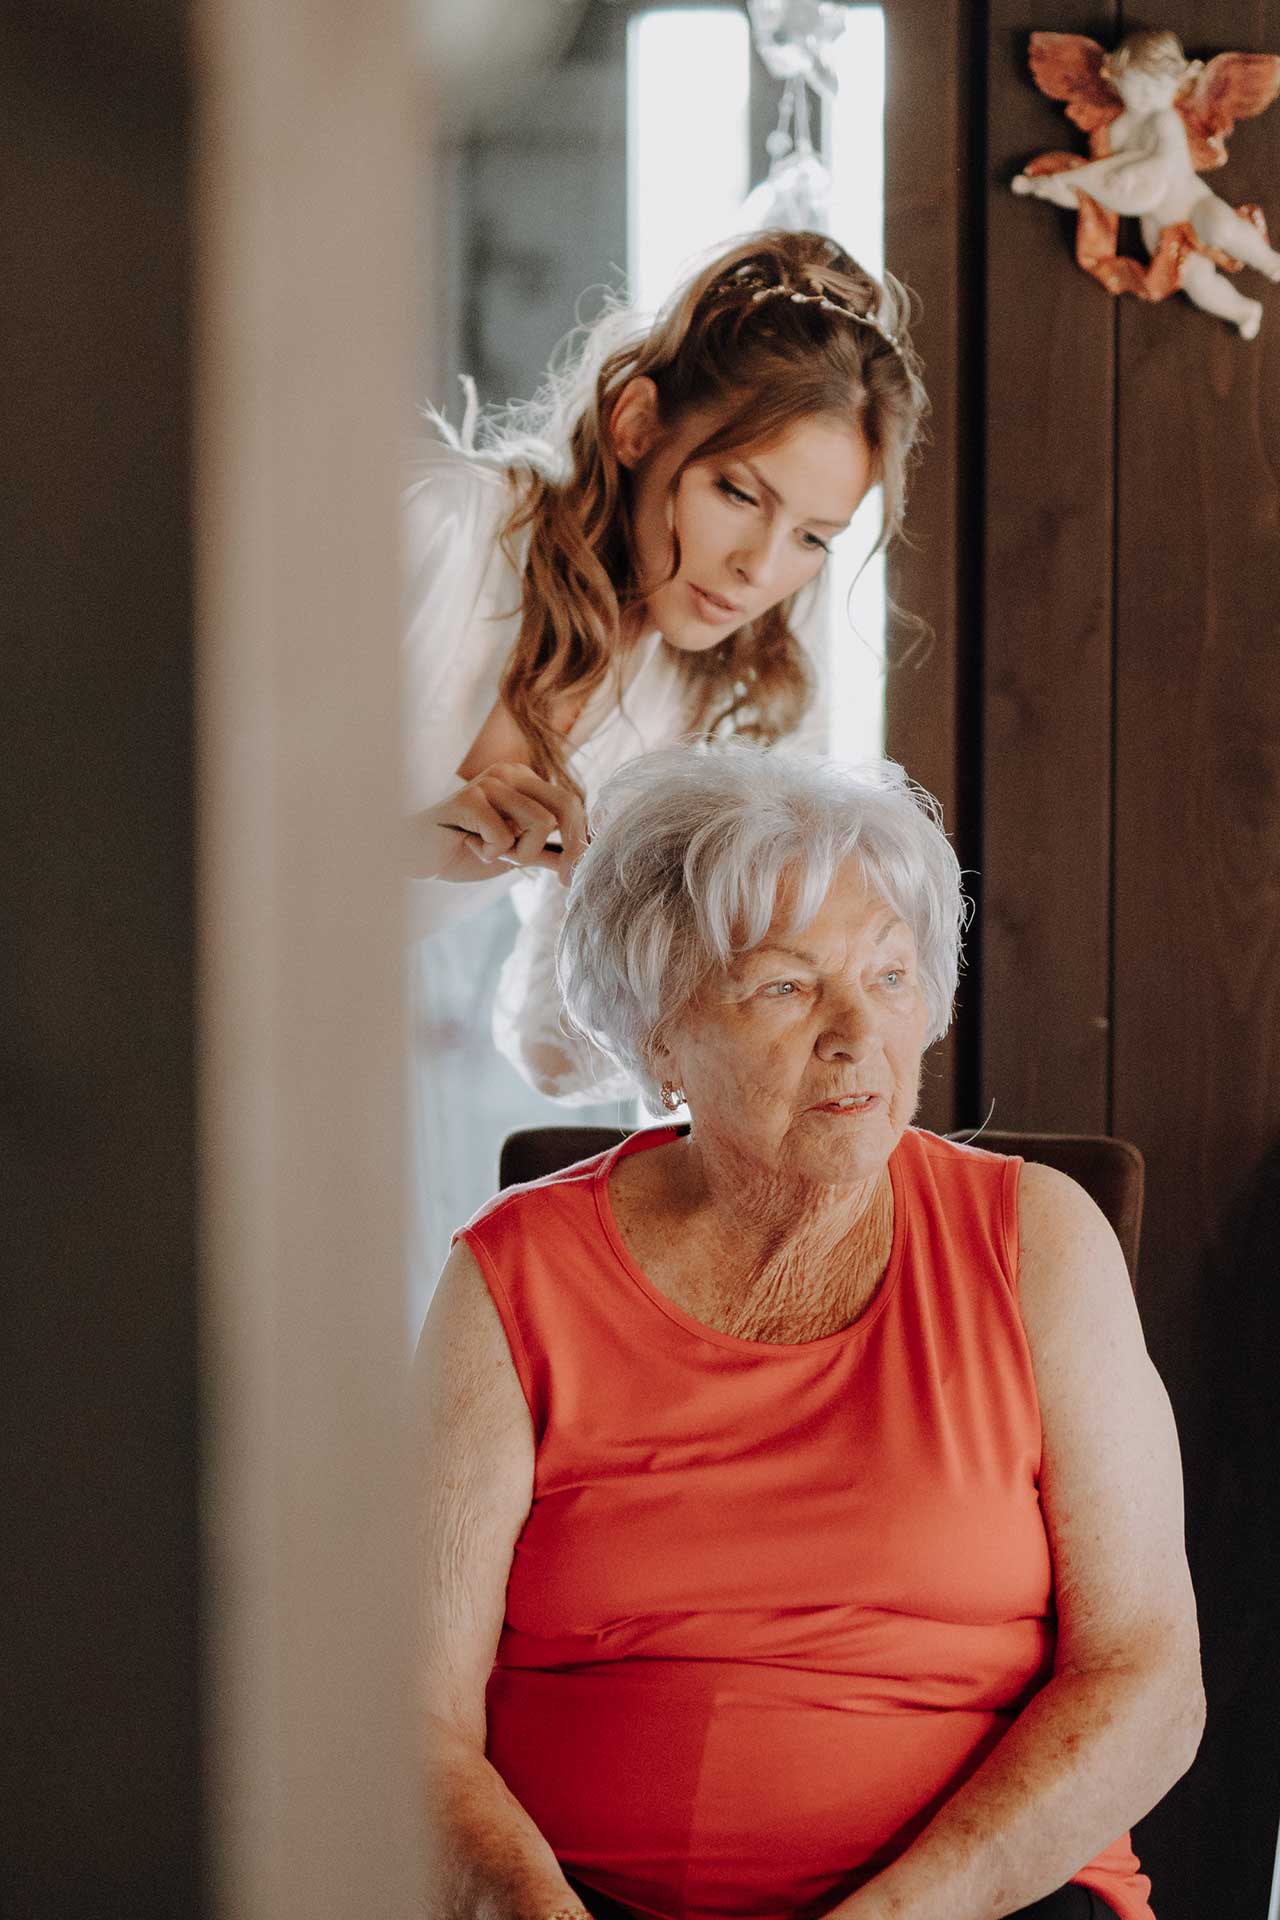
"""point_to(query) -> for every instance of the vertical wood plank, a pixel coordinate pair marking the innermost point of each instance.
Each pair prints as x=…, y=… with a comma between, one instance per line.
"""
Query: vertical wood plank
x=929, y=245
x=304, y=261
x=1197, y=1041
x=1044, y=923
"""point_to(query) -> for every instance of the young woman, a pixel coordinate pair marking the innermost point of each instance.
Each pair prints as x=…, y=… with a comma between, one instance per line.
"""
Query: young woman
x=625, y=567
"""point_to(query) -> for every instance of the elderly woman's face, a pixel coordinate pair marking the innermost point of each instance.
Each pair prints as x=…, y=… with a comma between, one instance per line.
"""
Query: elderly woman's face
x=805, y=1057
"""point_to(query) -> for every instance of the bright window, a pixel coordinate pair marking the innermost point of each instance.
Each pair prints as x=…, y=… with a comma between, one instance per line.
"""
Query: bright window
x=688, y=139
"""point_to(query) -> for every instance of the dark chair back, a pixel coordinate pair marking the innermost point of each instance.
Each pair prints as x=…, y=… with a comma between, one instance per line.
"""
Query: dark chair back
x=1110, y=1171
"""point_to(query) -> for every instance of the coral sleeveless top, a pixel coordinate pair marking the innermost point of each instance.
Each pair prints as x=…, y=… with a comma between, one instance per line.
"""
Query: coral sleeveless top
x=772, y=1603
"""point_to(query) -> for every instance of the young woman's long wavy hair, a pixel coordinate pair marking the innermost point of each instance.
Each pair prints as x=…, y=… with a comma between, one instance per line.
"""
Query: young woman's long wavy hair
x=763, y=365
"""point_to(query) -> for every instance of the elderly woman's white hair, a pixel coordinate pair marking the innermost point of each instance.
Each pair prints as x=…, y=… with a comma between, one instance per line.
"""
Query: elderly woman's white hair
x=690, y=849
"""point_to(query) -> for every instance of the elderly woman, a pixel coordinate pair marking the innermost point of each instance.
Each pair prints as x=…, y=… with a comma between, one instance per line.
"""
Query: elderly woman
x=801, y=1512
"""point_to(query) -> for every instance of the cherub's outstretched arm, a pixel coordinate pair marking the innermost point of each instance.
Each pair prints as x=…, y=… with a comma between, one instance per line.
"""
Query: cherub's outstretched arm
x=1124, y=183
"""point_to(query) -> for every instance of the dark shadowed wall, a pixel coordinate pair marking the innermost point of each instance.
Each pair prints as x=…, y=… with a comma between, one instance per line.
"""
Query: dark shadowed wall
x=1098, y=546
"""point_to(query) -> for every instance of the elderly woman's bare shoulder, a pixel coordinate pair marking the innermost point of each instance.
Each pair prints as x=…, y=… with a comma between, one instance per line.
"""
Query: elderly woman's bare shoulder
x=1072, y=1277
x=463, y=1371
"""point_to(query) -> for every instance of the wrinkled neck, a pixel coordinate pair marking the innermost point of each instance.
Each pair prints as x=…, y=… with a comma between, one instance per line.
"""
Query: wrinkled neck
x=784, y=1236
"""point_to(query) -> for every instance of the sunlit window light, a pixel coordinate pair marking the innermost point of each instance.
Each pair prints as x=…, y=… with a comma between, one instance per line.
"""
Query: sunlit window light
x=855, y=156
x=688, y=138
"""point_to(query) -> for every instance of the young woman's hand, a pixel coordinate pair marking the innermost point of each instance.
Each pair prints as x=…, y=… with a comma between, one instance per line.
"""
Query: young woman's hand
x=504, y=817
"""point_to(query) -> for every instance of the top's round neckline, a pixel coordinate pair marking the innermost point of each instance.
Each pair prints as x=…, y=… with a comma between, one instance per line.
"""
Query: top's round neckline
x=647, y=1138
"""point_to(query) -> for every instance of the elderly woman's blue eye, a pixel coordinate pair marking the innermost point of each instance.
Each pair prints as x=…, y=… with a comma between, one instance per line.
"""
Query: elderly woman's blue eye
x=778, y=989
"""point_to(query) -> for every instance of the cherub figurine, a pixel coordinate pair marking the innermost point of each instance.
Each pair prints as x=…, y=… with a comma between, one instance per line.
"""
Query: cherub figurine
x=1156, y=121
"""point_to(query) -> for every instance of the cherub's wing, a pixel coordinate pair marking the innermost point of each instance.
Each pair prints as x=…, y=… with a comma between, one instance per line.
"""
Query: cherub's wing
x=1234, y=86
x=1068, y=67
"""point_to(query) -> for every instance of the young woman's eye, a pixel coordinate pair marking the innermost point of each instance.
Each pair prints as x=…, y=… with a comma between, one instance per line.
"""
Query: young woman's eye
x=735, y=493
x=815, y=545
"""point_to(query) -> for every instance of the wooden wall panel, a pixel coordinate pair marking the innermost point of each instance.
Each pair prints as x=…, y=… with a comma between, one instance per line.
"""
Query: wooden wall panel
x=1197, y=994
x=100, y=1811
x=1044, y=895
x=1130, y=843
x=929, y=243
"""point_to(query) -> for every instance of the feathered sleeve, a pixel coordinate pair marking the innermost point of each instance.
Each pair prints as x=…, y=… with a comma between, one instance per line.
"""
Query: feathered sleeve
x=452, y=510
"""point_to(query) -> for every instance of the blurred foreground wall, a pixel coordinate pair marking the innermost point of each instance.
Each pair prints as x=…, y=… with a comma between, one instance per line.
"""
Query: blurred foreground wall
x=204, y=316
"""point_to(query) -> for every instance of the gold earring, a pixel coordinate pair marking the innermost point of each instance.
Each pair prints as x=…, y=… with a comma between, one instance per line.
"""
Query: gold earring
x=672, y=1097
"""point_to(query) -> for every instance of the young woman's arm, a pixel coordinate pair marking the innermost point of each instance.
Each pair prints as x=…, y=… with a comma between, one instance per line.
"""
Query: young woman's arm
x=485, y=1858
x=1121, y=1718
x=465, y=827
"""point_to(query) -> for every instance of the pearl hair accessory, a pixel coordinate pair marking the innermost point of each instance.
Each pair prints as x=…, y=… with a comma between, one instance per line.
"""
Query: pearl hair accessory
x=780, y=290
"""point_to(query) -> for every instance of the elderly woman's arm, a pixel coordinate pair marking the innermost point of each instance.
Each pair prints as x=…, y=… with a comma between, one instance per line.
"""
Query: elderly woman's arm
x=1121, y=1717
x=485, y=1858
